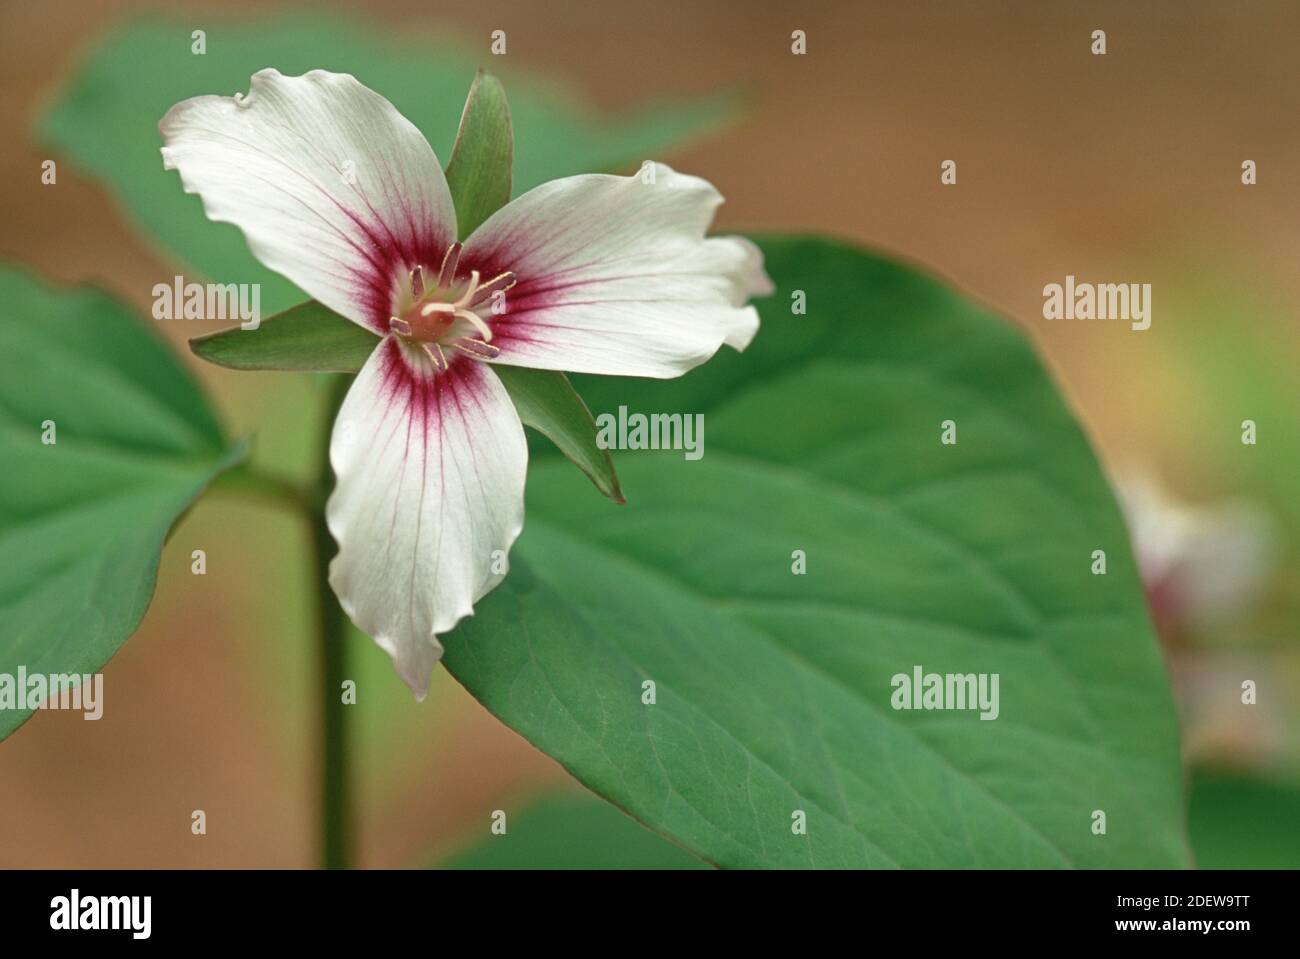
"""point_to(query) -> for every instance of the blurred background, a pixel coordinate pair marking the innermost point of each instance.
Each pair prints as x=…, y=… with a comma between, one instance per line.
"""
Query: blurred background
x=1117, y=168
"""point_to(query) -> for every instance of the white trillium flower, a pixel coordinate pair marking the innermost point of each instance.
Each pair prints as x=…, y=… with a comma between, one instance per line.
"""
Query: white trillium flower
x=341, y=194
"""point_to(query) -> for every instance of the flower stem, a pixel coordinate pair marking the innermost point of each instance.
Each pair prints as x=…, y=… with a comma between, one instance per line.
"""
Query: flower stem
x=336, y=807
x=331, y=623
x=336, y=811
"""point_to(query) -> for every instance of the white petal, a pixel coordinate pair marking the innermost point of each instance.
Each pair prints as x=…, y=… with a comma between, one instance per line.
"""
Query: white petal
x=332, y=187
x=616, y=276
x=430, y=483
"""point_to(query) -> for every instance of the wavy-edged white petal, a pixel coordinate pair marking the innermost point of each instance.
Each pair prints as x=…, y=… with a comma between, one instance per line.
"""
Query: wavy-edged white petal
x=615, y=275
x=431, y=473
x=331, y=185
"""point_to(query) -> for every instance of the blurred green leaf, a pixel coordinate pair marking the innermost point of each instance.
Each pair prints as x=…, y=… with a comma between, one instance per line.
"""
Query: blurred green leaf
x=83, y=519
x=478, y=173
x=106, y=120
x=574, y=833
x=1236, y=346
x=773, y=690
x=1239, y=340
x=1243, y=823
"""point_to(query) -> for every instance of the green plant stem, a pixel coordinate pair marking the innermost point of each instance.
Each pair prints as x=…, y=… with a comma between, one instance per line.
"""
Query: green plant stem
x=336, y=817
x=336, y=806
x=331, y=623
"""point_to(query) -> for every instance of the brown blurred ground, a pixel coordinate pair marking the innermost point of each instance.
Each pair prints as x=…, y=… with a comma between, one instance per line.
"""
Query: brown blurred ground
x=1124, y=167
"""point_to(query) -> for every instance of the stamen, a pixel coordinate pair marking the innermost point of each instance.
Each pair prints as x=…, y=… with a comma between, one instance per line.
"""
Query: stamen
x=477, y=322
x=449, y=264
x=434, y=352
x=477, y=349
x=442, y=314
x=468, y=296
x=499, y=283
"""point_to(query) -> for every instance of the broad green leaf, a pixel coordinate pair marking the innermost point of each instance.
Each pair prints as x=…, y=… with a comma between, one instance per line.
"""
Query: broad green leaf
x=106, y=120
x=313, y=337
x=1238, y=822
x=478, y=173
x=83, y=518
x=579, y=832
x=772, y=690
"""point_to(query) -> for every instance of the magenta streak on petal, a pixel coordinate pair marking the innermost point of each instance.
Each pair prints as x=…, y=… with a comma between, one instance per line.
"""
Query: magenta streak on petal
x=387, y=249
x=425, y=398
x=539, y=288
x=491, y=263
x=389, y=260
x=525, y=305
x=426, y=406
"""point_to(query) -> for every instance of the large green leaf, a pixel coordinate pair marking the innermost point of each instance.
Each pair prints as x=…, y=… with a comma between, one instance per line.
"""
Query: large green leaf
x=774, y=689
x=580, y=832
x=107, y=119
x=1239, y=822
x=82, y=519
